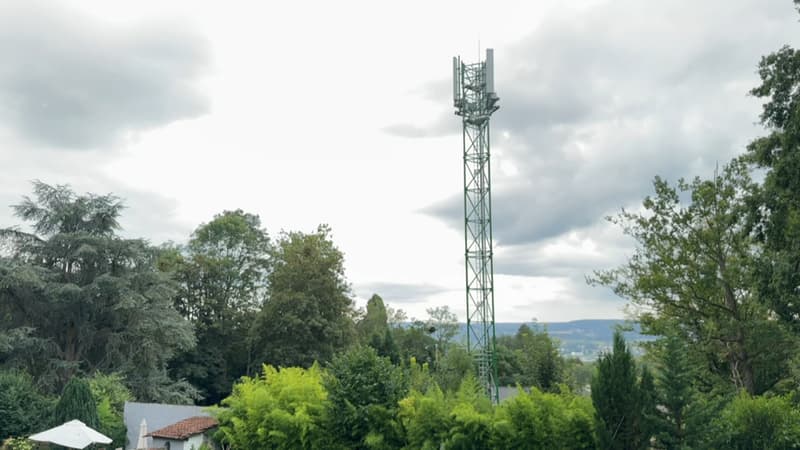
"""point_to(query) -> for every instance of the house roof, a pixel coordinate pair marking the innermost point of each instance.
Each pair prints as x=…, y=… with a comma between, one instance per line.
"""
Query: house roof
x=185, y=428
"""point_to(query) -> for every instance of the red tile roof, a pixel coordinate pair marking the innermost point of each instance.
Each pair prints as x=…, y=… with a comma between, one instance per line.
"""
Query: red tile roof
x=186, y=428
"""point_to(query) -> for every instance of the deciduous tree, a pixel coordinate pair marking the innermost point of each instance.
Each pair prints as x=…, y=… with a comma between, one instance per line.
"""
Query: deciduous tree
x=776, y=206
x=308, y=315
x=443, y=325
x=693, y=267
x=531, y=358
x=223, y=282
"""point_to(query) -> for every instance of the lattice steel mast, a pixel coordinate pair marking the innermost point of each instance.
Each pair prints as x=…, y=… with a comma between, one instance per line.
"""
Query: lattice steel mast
x=475, y=100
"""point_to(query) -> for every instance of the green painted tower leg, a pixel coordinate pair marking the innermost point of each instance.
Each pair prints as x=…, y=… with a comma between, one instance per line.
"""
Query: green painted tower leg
x=475, y=101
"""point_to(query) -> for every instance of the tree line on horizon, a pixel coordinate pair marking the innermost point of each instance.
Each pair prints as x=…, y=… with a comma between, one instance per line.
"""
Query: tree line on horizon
x=265, y=327
x=182, y=323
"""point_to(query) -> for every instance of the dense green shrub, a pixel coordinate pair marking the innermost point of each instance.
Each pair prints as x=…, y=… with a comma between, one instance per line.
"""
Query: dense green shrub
x=455, y=420
x=425, y=418
x=765, y=423
x=17, y=444
x=471, y=417
x=282, y=409
x=110, y=395
x=538, y=420
x=23, y=409
x=364, y=391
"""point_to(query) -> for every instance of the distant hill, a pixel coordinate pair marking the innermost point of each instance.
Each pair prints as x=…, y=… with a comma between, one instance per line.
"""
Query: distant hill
x=584, y=339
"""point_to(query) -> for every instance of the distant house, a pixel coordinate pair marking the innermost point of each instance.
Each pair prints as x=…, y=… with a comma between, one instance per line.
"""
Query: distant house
x=188, y=434
x=157, y=416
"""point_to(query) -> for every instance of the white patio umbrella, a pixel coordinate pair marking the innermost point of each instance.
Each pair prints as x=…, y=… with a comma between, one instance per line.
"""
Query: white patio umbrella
x=73, y=434
x=142, y=432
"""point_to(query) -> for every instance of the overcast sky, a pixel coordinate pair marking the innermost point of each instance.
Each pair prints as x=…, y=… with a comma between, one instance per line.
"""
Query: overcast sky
x=340, y=113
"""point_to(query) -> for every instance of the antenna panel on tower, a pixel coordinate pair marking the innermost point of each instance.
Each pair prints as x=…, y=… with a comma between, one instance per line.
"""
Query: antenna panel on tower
x=489, y=71
x=456, y=80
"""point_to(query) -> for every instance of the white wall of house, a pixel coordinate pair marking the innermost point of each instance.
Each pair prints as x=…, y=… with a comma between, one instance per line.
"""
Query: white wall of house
x=173, y=444
x=196, y=441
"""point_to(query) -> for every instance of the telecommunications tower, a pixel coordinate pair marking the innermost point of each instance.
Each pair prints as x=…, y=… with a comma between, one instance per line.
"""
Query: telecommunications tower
x=475, y=100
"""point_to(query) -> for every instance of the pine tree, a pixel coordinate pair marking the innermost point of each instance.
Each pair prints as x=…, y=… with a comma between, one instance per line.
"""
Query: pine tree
x=674, y=383
x=76, y=403
x=648, y=397
x=76, y=298
x=617, y=400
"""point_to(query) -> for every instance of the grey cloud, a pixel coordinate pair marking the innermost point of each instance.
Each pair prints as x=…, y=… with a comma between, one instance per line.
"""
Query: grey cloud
x=528, y=260
x=67, y=81
x=400, y=292
x=563, y=310
x=576, y=300
x=152, y=216
x=596, y=104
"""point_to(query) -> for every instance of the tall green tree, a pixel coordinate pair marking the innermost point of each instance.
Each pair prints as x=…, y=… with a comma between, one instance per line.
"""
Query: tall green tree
x=776, y=207
x=648, y=404
x=374, y=321
x=676, y=393
x=373, y=330
x=693, y=268
x=87, y=299
x=76, y=403
x=617, y=399
x=223, y=280
x=308, y=315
